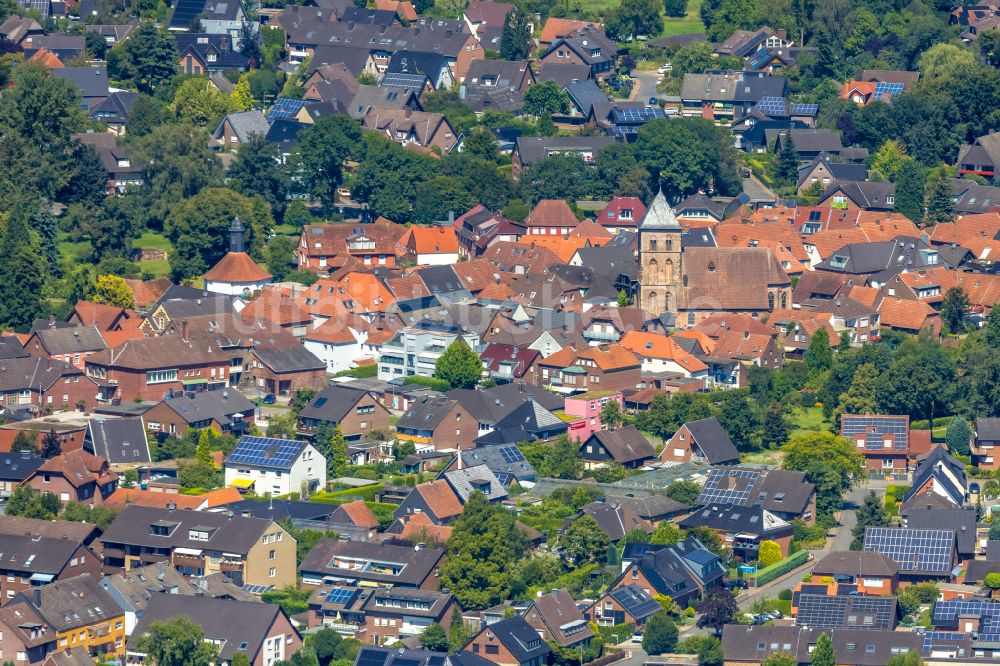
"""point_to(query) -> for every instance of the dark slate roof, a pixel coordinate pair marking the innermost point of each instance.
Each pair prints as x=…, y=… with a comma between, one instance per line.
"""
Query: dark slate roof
x=531, y=148
x=92, y=82
x=875, y=257
x=501, y=73
x=492, y=404
x=279, y=509
x=730, y=518
x=73, y=603
x=115, y=108
x=369, y=16
x=563, y=73
x=203, y=405
x=625, y=445
x=585, y=94
x=679, y=569
x=977, y=570
x=841, y=171
x=289, y=359
x=418, y=62
x=520, y=638
x=856, y=563
x=17, y=465
x=940, y=466
x=491, y=457
x=441, y=280
x=379, y=656
x=119, y=440
x=988, y=429
x=426, y=413
x=529, y=421
x=284, y=133
x=962, y=521
x=11, y=347
x=355, y=60
x=635, y=601
x=202, y=44
x=71, y=340
x=713, y=441
x=653, y=508
x=332, y=404
x=42, y=555
x=235, y=623
x=234, y=535
x=701, y=201
x=418, y=564
x=614, y=520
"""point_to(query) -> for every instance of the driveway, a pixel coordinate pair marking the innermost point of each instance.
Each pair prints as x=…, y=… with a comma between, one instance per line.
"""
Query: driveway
x=647, y=85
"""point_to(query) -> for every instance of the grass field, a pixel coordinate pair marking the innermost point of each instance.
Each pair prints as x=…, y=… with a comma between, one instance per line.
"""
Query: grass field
x=806, y=421
x=74, y=252
x=598, y=9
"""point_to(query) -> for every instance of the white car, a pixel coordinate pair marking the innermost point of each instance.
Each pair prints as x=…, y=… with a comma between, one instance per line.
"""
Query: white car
x=637, y=637
x=665, y=68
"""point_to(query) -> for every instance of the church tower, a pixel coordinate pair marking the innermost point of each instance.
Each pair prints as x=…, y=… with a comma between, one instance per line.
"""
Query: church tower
x=660, y=258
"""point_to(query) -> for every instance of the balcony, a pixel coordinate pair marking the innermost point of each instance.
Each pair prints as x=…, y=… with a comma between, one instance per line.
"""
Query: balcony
x=230, y=565
x=152, y=558
x=192, y=561
x=613, y=336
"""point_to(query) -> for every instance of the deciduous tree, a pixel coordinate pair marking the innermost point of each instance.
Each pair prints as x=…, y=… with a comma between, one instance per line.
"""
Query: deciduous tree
x=611, y=414
x=113, y=290
x=148, y=57
x=954, y=310
x=583, y=541
x=177, y=642
x=822, y=654
x=717, y=610
x=770, y=553
x=660, y=634
x=819, y=355
x=434, y=638
x=830, y=463
x=871, y=513
x=544, y=99
x=459, y=365
x=957, y=436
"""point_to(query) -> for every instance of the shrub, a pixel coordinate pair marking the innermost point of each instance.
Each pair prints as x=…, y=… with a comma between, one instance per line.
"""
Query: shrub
x=768, y=574
x=785, y=595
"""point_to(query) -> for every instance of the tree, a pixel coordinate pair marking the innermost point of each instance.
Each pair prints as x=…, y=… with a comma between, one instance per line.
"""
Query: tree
x=611, y=415
x=50, y=445
x=545, y=99
x=250, y=42
x=280, y=257
x=199, y=102
x=147, y=112
x=25, y=441
x=862, y=396
x=686, y=155
x=482, y=549
x=241, y=99
x=328, y=645
x=776, y=428
x=684, y=491
x=667, y=534
x=203, y=454
x=337, y=463
x=819, y=355
x=613, y=557
x=871, y=513
x=458, y=632
x=708, y=649
x=953, y=311
x=992, y=581
x=675, y=8
x=911, y=180
x=830, y=463
x=739, y=419
x=22, y=273
x=459, y=365
x=199, y=229
x=944, y=60
x=177, y=642
x=634, y=18
x=780, y=659
x=515, y=41
x=583, y=541
x=240, y=659
x=717, y=610
x=89, y=184
x=938, y=206
x=322, y=149
x=770, y=553
x=958, y=435
x=113, y=290
x=434, y=638
x=148, y=57
x=991, y=334
x=887, y=161
x=822, y=654
x=660, y=634
x=788, y=161
x=257, y=170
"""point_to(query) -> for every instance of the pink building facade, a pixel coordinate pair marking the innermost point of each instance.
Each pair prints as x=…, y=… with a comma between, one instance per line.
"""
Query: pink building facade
x=586, y=407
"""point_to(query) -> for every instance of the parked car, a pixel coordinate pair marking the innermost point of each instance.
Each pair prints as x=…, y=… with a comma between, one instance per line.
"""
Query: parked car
x=735, y=584
x=653, y=102
x=343, y=193
x=637, y=637
x=270, y=399
x=667, y=67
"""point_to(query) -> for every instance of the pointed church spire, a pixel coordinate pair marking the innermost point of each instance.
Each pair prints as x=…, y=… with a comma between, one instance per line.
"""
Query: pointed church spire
x=660, y=215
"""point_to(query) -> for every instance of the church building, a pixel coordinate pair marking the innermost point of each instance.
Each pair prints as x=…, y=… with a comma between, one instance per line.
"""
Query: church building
x=236, y=274
x=698, y=282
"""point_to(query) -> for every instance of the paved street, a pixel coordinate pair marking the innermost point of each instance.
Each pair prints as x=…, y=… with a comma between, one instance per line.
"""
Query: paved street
x=647, y=85
x=840, y=541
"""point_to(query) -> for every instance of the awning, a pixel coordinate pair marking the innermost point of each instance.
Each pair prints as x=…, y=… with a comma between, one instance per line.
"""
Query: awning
x=242, y=483
x=195, y=552
x=193, y=382
x=42, y=578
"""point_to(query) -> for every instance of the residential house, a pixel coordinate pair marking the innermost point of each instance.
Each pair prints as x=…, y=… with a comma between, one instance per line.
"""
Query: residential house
x=119, y=441
x=510, y=642
x=621, y=214
x=116, y=160
x=432, y=65
x=90, y=82
x=224, y=411
x=431, y=246
x=742, y=528
x=887, y=443
x=808, y=143
x=822, y=172
x=377, y=244
x=438, y=422
x=961, y=521
x=529, y=422
x=938, y=475
x=783, y=493
x=487, y=19
x=510, y=74
x=357, y=413
x=587, y=407
x=260, y=632
x=980, y=158
x=75, y=476
x=728, y=95
x=271, y=466
x=394, y=614
x=661, y=354
x=863, y=572
x=237, y=128
x=215, y=18
x=25, y=634
x=924, y=554
x=416, y=349
x=986, y=440
x=578, y=370
x=625, y=445
x=290, y=367
x=684, y=571
x=585, y=46
x=864, y=195
x=556, y=617
x=15, y=467
x=204, y=53
x=704, y=441
x=31, y=561
x=250, y=551
x=627, y=604
x=745, y=645
x=114, y=110
x=528, y=150
x=371, y=565
x=551, y=217
x=743, y=43
x=613, y=517
x=406, y=126
x=31, y=385
x=506, y=462
x=507, y=363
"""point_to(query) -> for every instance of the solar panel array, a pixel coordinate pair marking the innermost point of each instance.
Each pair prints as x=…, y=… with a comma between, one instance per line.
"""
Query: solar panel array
x=185, y=13
x=875, y=430
x=887, y=90
x=511, y=454
x=267, y=451
x=946, y=613
x=934, y=636
x=504, y=478
x=913, y=550
x=373, y=657
x=776, y=107
x=340, y=595
x=284, y=108
x=729, y=486
x=638, y=115
x=805, y=109
x=401, y=80
x=819, y=611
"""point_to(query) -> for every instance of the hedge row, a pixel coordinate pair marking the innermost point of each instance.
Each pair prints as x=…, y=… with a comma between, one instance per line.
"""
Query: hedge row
x=367, y=493
x=793, y=561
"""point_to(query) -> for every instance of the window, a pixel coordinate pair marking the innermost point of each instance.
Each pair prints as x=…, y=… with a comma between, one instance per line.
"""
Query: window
x=270, y=572
x=161, y=376
x=270, y=555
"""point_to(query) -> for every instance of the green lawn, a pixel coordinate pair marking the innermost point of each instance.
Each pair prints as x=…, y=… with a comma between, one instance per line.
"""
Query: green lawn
x=687, y=25
x=71, y=251
x=808, y=420
x=150, y=240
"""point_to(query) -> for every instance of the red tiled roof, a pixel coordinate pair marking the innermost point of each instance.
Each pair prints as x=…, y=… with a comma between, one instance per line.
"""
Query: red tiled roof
x=904, y=314
x=558, y=27
x=551, y=213
x=431, y=240
x=123, y=496
x=658, y=345
x=610, y=357
x=440, y=498
x=277, y=309
x=360, y=514
x=419, y=526
x=402, y=7
x=237, y=267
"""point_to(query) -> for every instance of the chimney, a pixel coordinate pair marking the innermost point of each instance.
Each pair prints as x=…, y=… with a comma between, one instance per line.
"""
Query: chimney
x=36, y=597
x=171, y=506
x=184, y=330
x=161, y=570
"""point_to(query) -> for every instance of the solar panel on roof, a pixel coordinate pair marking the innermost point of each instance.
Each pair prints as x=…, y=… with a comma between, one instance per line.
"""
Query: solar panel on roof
x=266, y=451
x=819, y=611
x=805, y=109
x=284, y=108
x=776, y=107
x=504, y=478
x=729, y=486
x=887, y=90
x=878, y=432
x=913, y=550
x=340, y=596
x=370, y=657
x=511, y=454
